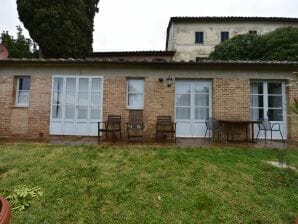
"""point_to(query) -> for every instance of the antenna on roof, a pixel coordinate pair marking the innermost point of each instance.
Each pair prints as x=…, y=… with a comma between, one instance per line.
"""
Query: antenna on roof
x=3, y=52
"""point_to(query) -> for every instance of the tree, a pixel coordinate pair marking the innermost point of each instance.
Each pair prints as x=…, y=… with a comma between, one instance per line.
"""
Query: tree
x=19, y=47
x=61, y=28
x=280, y=44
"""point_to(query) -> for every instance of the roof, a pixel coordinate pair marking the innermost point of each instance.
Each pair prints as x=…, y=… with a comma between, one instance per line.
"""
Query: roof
x=226, y=19
x=132, y=53
x=232, y=19
x=96, y=61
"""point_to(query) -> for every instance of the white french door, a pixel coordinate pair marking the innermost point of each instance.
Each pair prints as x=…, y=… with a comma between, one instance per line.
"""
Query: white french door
x=193, y=107
x=268, y=100
x=76, y=105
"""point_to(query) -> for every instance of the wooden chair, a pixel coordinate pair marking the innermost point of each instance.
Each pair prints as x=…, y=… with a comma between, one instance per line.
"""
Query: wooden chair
x=165, y=126
x=135, y=126
x=112, y=125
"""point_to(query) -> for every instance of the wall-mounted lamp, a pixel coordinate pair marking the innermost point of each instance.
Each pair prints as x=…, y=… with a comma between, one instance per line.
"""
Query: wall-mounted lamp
x=170, y=81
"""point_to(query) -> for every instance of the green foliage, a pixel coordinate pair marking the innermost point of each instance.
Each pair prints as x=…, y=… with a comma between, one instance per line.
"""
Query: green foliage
x=61, y=28
x=19, y=47
x=22, y=196
x=294, y=107
x=280, y=44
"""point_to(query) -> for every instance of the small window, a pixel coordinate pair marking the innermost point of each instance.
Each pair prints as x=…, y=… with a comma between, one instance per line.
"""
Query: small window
x=199, y=38
x=253, y=32
x=135, y=93
x=224, y=36
x=23, y=91
x=199, y=59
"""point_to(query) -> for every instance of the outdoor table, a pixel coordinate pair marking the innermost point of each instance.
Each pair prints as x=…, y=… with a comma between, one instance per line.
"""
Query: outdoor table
x=229, y=124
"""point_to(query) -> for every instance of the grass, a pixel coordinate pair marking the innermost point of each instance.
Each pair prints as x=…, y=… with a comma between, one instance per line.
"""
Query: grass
x=143, y=184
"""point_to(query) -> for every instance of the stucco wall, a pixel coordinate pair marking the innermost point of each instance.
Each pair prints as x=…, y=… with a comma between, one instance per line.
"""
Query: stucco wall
x=182, y=38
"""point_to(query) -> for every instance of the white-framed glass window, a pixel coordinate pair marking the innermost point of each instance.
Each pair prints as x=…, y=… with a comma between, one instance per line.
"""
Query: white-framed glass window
x=135, y=93
x=23, y=91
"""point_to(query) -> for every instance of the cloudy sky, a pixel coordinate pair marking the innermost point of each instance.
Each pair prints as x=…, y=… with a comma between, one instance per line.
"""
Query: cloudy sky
x=141, y=24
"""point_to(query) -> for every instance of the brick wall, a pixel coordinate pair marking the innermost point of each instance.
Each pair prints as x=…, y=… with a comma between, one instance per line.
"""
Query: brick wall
x=231, y=98
x=6, y=102
x=231, y=101
x=39, y=110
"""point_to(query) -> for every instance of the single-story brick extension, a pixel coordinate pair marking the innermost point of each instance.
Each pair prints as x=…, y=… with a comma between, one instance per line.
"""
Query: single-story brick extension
x=41, y=98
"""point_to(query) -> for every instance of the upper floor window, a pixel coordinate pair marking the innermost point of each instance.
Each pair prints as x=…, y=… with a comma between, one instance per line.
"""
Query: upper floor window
x=253, y=32
x=23, y=91
x=199, y=38
x=224, y=36
x=135, y=93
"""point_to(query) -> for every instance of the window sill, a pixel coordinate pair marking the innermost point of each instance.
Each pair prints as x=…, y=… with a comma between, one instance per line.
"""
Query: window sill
x=20, y=106
x=135, y=108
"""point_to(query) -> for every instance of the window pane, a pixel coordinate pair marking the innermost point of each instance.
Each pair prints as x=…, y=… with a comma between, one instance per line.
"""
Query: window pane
x=83, y=84
x=96, y=85
x=199, y=37
x=201, y=87
x=256, y=88
x=83, y=99
x=274, y=88
x=58, y=84
x=183, y=87
x=23, y=97
x=70, y=98
x=57, y=98
x=257, y=113
x=136, y=100
x=24, y=83
x=275, y=101
x=201, y=113
x=56, y=111
x=257, y=101
x=82, y=112
x=201, y=100
x=183, y=113
x=183, y=100
x=71, y=84
x=135, y=86
x=275, y=114
x=96, y=99
x=69, y=112
x=224, y=36
x=95, y=113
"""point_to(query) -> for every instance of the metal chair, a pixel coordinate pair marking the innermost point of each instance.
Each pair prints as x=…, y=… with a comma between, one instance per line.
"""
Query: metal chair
x=112, y=125
x=265, y=125
x=135, y=126
x=164, y=125
x=212, y=126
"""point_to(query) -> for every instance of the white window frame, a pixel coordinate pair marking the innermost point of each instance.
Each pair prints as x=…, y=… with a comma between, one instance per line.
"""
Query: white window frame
x=142, y=93
x=17, y=104
x=62, y=119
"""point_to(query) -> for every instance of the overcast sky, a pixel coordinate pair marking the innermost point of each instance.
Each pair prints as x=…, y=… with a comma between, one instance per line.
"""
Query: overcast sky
x=141, y=24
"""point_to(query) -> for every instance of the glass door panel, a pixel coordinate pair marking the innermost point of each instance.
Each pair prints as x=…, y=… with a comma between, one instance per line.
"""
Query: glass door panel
x=192, y=107
x=268, y=101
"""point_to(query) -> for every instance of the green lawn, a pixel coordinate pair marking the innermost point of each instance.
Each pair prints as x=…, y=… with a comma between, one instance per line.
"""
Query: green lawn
x=143, y=184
